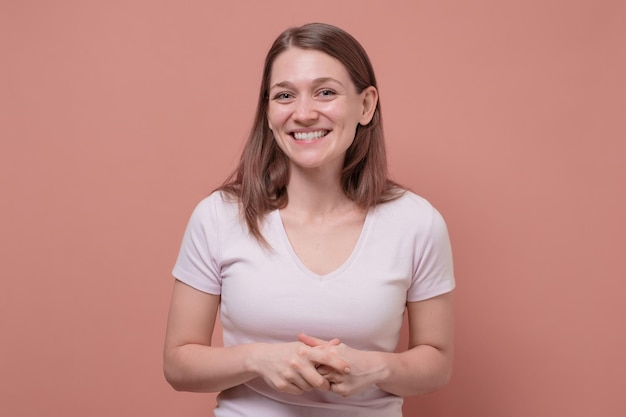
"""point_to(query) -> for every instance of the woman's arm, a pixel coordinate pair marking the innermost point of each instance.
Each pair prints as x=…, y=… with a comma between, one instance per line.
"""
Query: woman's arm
x=425, y=367
x=190, y=363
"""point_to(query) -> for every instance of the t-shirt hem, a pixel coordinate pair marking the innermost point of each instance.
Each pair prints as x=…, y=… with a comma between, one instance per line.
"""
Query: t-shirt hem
x=180, y=276
x=444, y=289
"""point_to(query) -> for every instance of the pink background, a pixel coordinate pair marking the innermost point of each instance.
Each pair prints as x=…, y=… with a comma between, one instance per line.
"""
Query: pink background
x=117, y=117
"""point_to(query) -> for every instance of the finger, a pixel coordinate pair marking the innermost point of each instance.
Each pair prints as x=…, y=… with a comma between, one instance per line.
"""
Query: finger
x=339, y=389
x=295, y=383
x=305, y=374
x=287, y=386
x=333, y=377
x=329, y=359
x=314, y=341
x=334, y=342
x=307, y=378
x=315, y=380
x=304, y=385
x=324, y=370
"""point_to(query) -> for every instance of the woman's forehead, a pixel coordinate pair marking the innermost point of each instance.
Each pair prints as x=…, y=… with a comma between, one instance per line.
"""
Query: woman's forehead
x=306, y=65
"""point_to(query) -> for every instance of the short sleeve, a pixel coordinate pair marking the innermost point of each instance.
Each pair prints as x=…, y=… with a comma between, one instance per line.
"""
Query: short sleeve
x=433, y=267
x=196, y=264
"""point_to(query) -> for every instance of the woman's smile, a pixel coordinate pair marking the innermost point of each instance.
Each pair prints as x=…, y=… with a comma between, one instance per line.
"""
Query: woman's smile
x=309, y=136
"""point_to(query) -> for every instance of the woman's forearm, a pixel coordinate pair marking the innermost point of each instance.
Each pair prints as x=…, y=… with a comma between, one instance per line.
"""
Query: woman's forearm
x=286, y=367
x=420, y=370
x=200, y=368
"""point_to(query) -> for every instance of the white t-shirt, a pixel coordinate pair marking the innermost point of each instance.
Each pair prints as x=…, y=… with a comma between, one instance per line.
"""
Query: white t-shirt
x=268, y=295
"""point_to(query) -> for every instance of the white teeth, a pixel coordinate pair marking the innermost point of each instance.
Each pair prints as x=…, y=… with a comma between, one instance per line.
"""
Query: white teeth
x=310, y=135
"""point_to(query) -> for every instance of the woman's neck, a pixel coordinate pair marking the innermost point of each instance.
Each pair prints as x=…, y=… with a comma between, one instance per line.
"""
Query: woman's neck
x=316, y=194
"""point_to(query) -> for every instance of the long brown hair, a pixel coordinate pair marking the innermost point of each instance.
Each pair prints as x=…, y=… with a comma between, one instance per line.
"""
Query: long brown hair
x=260, y=180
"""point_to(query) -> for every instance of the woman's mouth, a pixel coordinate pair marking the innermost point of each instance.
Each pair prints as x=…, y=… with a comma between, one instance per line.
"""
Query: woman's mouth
x=310, y=135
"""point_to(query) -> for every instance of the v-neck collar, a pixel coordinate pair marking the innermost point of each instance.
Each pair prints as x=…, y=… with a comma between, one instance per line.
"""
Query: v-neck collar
x=280, y=227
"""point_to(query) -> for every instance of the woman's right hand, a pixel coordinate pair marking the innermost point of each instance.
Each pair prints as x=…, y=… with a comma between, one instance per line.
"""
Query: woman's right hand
x=291, y=367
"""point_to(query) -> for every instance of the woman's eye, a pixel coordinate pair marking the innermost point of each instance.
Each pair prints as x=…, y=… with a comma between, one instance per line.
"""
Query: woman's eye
x=282, y=96
x=326, y=93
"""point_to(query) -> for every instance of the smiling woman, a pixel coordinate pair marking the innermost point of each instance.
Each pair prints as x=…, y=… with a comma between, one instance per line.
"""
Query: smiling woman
x=314, y=110
x=312, y=255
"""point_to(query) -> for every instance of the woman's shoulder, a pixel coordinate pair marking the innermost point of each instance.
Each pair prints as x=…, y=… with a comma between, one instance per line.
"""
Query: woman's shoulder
x=410, y=214
x=409, y=201
x=220, y=198
x=409, y=210
x=218, y=203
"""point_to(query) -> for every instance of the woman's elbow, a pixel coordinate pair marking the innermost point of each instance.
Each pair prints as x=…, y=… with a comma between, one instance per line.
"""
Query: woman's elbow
x=440, y=379
x=443, y=379
x=172, y=372
x=172, y=377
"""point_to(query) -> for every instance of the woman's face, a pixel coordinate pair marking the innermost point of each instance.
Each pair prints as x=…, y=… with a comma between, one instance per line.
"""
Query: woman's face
x=314, y=108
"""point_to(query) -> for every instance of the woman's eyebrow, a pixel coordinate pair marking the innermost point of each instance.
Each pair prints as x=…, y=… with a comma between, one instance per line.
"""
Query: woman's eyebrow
x=282, y=84
x=323, y=80
x=317, y=81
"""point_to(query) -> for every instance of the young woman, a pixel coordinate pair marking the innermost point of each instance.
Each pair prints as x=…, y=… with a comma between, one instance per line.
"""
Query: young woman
x=312, y=255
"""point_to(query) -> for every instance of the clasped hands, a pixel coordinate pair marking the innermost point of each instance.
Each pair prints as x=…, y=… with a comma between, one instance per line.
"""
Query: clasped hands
x=313, y=363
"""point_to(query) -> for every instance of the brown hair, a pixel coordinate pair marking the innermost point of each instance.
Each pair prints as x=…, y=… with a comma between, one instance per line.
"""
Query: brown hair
x=260, y=180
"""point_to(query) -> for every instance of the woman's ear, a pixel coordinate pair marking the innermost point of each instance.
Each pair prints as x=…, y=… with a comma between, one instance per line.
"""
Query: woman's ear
x=370, y=101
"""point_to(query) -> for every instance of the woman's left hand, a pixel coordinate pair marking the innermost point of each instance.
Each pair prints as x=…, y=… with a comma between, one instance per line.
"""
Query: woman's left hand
x=366, y=368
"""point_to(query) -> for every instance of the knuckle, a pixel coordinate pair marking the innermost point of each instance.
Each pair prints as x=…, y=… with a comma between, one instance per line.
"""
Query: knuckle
x=343, y=392
x=283, y=386
x=319, y=382
x=340, y=389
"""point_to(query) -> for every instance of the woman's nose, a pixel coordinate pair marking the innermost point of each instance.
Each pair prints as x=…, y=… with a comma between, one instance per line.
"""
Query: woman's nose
x=305, y=110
